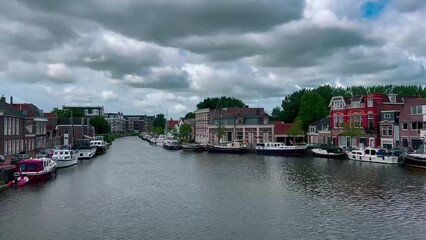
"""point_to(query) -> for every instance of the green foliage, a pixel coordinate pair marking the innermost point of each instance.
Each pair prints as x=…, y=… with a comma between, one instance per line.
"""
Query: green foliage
x=221, y=102
x=312, y=108
x=290, y=106
x=159, y=122
x=219, y=130
x=66, y=113
x=109, y=137
x=190, y=115
x=351, y=130
x=158, y=130
x=296, y=129
x=100, y=124
x=185, y=131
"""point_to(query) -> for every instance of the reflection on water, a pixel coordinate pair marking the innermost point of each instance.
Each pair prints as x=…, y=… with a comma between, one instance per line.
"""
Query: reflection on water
x=138, y=191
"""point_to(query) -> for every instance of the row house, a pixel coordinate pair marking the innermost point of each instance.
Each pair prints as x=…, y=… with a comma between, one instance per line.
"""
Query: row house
x=319, y=132
x=357, y=112
x=412, y=122
x=249, y=124
x=71, y=129
x=116, y=122
x=35, y=126
x=89, y=111
x=138, y=123
x=12, y=134
x=201, y=125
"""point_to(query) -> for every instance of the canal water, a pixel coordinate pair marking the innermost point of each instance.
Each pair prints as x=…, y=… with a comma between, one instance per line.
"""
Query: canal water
x=138, y=191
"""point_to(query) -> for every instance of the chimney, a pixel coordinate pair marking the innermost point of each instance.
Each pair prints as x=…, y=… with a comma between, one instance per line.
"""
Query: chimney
x=11, y=100
x=2, y=99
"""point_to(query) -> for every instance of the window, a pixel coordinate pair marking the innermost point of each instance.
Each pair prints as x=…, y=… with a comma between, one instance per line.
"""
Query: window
x=240, y=135
x=404, y=126
x=340, y=121
x=416, y=110
x=386, y=130
x=86, y=111
x=312, y=129
x=95, y=111
x=336, y=121
x=386, y=116
x=416, y=125
x=370, y=121
x=356, y=120
x=370, y=102
x=5, y=126
x=324, y=127
x=392, y=98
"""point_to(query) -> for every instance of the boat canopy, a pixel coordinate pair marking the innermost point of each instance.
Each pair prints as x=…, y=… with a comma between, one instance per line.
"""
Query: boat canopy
x=31, y=165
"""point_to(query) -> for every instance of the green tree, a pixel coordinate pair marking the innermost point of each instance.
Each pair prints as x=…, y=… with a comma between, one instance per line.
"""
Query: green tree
x=296, y=129
x=66, y=113
x=159, y=123
x=312, y=108
x=100, y=124
x=185, y=131
x=351, y=129
x=277, y=114
x=290, y=105
x=221, y=102
x=189, y=115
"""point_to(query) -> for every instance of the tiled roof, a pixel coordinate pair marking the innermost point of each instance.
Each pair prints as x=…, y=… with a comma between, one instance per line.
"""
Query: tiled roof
x=172, y=123
x=27, y=109
x=8, y=109
x=232, y=112
x=282, y=128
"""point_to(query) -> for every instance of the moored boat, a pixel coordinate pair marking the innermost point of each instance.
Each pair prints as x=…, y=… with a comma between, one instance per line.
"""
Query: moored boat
x=37, y=169
x=279, y=149
x=229, y=147
x=372, y=155
x=416, y=159
x=64, y=157
x=100, y=144
x=171, y=144
x=83, y=149
x=329, y=152
x=192, y=147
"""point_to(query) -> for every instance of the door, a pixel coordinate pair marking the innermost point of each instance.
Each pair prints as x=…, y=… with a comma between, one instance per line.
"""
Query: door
x=372, y=143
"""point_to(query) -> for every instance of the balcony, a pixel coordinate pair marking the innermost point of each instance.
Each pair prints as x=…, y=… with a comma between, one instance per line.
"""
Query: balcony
x=355, y=105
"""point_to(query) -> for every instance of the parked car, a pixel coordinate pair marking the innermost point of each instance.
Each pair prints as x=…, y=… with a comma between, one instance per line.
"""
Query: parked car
x=18, y=157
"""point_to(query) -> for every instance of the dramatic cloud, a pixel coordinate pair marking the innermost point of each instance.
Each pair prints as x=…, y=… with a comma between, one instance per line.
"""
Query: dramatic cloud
x=153, y=56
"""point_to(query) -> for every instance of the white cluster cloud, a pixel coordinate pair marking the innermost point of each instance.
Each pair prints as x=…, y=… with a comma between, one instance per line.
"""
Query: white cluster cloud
x=149, y=57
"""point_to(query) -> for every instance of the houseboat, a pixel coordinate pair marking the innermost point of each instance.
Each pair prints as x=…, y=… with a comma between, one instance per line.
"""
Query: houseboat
x=83, y=149
x=229, y=147
x=279, y=149
x=37, y=169
x=372, y=155
x=64, y=157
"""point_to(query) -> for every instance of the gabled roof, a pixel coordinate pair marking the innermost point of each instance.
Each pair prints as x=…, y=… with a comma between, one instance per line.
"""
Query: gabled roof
x=8, y=109
x=172, y=123
x=28, y=110
x=325, y=120
x=281, y=128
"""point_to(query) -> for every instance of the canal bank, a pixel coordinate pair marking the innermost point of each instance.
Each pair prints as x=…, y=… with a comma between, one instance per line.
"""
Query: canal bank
x=141, y=191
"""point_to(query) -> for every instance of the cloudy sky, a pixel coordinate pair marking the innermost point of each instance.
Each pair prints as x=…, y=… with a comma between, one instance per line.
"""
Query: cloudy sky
x=153, y=56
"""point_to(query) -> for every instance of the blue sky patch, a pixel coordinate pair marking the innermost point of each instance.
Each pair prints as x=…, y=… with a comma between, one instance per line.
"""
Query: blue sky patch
x=373, y=9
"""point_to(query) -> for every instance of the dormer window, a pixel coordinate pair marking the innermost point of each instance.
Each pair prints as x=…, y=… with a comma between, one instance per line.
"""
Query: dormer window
x=392, y=98
x=95, y=111
x=86, y=111
x=370, y=102
x=312, y=129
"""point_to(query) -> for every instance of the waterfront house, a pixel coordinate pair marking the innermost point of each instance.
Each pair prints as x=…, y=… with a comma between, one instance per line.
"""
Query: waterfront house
x=249, y=124
x=116, y=122
x=138, y=123
x=12, y=134
x=281, y=134
x=71, y=129
x=35, y=126
x=412, y=121
x=89, y=111
x=349, y=115
x=319, y=132
x=201, y=124
x=53, y=137
x=390, y=112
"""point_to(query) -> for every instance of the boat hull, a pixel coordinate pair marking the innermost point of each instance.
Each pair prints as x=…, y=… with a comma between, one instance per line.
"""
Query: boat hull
x=414, y=161
x=325, y=154
x=214, y=149
x=281, y=152
x=86, y=153
x=63, y=163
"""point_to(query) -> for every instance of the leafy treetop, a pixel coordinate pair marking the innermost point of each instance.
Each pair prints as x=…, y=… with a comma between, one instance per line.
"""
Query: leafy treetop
x=221, y=102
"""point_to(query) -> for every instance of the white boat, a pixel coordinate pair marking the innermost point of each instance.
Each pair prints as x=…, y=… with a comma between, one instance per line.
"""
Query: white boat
x=83, y=149
x=279, y=149
x=100, y=144
x=372, y=155
x=64, y=157
x=160, y=140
